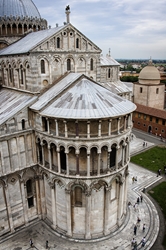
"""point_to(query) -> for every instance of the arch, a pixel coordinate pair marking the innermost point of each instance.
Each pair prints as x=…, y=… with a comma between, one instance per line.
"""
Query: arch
x=109, y=73
x=77, y=43
x=91, y=64
x=97, y=185
x=68, y=64
x=70, y=186
x=59, y=181
x=42, y=66
x=58, y=42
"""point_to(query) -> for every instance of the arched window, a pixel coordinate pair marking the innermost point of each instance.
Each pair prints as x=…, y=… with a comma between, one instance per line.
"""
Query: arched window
x=42, y=65
x=63, y=158
x=21, y=75
x=23, y=124
x=29, y=193
x=77, y=43
x=10, y=74
x=78, y=196
x=91, y=64
x=109, y=73
x=58, y=42
x=68, y=64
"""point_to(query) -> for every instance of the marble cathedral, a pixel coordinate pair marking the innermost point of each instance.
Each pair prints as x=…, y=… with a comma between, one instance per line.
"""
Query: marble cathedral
x=65, y=125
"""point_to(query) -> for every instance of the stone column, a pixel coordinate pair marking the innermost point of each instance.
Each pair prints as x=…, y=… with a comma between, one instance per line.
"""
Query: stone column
x=59, y=162
x=128, y=151
x=123, y=153
x=48, y=125
x=49, y=157
x=66, y=134
x=88, y=164
x=56, y=127
x=77, y=163
x=106, y=210
x=99, y=129
x=42, y=195
x=125, y=193
x=9, y=211
x=68, y=205
x=38, y=199
x=125, y=122
x=120, y=203
x=67, y=163
x=24, y=201
x=43, y=156
x=87, y=215
x=109, y=127
x=118, y=125
x=88, y=129
x=77, y=132
x=53, y=201
x=116, y=163
x=18, y=152
x=99, y=159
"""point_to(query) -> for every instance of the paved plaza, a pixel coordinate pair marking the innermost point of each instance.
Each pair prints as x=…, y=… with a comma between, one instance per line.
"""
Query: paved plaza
x=119, y=240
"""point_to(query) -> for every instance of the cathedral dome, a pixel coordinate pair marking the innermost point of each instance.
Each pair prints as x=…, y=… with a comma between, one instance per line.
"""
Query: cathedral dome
x=149, y=75
x=18, y=8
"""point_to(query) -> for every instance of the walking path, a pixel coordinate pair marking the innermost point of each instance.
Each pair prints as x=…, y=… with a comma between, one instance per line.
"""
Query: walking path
x=119, y=240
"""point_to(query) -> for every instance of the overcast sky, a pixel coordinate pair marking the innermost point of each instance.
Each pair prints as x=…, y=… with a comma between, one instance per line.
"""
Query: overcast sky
x=132, y=29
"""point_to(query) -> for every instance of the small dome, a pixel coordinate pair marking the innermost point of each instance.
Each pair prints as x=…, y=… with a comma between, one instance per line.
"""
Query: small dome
x=149, y=75
x=18, y=8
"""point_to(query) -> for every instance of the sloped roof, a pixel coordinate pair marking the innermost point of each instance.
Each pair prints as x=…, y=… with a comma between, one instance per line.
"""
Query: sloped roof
x=11, y=102
x=81, y=98
x=108, y=61
x=29, y=42
x=117, y=87
x=151, y=111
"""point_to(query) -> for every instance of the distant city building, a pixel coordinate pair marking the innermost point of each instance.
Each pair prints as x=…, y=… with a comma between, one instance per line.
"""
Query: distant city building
x=64, y=129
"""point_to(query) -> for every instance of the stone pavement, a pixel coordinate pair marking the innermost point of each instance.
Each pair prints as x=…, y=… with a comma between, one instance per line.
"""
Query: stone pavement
x=119, y=240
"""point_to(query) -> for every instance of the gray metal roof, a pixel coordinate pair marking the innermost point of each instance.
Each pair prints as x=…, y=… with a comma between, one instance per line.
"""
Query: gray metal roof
x=108, y=61
x=117, y=87
x=19, y=8
x=82, y=99
x=11, y=102
x=29, y=42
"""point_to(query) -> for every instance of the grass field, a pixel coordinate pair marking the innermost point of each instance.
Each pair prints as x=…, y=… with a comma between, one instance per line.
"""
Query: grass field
x=153, y=159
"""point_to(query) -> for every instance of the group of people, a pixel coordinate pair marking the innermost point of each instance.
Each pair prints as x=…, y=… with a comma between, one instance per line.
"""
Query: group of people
x=134, y=243
x=31, y=243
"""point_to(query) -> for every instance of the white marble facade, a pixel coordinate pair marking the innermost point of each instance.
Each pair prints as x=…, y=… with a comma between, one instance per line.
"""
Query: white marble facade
x=68, y=170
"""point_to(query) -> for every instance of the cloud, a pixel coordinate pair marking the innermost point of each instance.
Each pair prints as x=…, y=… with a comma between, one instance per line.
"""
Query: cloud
x=122, y=25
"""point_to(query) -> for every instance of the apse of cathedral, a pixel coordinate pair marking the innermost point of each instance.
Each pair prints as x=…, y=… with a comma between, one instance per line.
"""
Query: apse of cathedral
x=65, y=126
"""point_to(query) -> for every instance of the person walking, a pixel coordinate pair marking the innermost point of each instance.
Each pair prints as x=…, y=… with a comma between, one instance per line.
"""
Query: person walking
x=135, y=230
x=141, y=198
x=31, y=243
x=143, y=242
x=143, y=229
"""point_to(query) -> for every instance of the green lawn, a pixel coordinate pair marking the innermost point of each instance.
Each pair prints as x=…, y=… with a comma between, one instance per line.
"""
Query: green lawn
x=153, y=159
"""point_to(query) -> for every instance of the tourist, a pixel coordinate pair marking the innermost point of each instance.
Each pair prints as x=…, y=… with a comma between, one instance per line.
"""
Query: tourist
x=143, y=229
x=31, y=243
x=143, y=242
x=135, y=230
x=141, y=197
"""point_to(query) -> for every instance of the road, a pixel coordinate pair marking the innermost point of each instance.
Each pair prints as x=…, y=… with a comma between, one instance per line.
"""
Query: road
x=148, y=137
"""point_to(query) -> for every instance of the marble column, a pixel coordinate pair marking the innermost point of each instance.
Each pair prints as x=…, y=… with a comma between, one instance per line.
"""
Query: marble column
x=99, y=160
x=43, y=156
x=66, y=133
x=87, y=215
x=59, y=162
x=88, y=164
x=43, y=197
x=116, y=163
x=99, y=129
x=56, y=127
x=67, y=163
x=9, y=211
x=38, y=196
x=68, y=205
x=49, y=157
x=88, y=129
x=109, y=127
x=120, y=202
x=53, y=201
x=24, y=201
x=106, y=210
